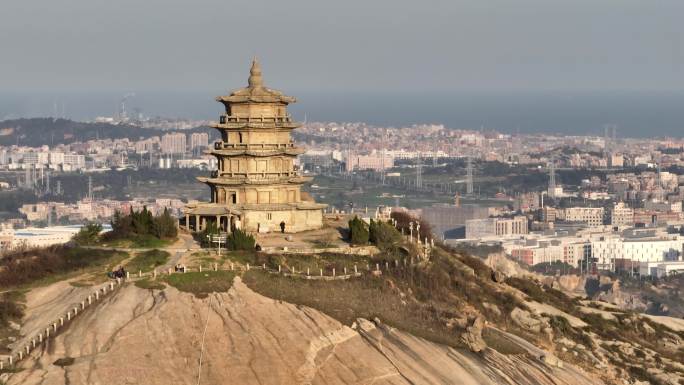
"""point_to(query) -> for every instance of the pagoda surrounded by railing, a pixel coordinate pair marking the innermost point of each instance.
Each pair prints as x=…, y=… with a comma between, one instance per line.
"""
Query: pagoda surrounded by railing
x=257, y=186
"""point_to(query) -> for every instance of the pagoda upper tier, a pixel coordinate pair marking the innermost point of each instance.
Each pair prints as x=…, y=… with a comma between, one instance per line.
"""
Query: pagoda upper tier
x=255, y=107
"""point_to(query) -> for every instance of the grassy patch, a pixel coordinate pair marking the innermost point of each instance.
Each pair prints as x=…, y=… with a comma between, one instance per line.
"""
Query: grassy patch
x=364, y=297
x=147, y=261
x=44, y=266
x=313, y=262
x=205, y=258
x=201, y=284
x=140, y=242
x=150, y=284
x=239, y=256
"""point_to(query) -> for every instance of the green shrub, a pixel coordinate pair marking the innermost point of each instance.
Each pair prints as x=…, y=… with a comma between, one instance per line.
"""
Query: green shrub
x=142, y=223
x=358, y=231
x=383, y=235
x=88, y=234
x=9, y=310
x=240, y=240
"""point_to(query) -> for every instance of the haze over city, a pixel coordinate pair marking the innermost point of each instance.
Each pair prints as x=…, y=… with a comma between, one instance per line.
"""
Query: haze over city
x=529, y=66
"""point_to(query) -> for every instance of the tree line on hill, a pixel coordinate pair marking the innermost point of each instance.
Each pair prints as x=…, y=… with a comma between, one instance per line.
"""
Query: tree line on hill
x=134, y=225
x=384, y=234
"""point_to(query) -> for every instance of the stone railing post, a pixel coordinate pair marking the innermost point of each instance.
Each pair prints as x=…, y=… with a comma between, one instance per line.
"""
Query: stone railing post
x=139, y=273
x=307, y=271
x=111, y=286
x=40, y=338
x=356, y=271
x=69, y=315
x=377, y=266
x=33, y=342
x=321, y=272
x=200, y=268
x=82, y=305
x=333, y=272
x=61, y=321
x=248, y=267
x=97, y=295
x=90, y=300
x=128, y=275
x=215, y=266
x=54, y=326
x=47, y=333
x=278, y=269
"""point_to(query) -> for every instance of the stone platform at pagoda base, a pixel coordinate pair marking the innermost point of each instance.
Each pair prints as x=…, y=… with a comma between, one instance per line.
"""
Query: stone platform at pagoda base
x=255, y=218
x=298, y=217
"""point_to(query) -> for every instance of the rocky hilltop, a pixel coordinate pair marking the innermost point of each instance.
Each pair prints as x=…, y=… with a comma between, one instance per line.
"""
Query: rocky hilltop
x=394, y=314
x=147, y=336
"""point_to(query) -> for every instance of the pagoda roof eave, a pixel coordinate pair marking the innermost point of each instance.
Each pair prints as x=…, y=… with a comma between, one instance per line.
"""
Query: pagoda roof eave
x=257, y=153
x=255, y=125
x=256, y=98
x=232, y=181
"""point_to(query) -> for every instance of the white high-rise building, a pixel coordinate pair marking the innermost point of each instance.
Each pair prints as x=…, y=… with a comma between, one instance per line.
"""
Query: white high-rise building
x=199, y=140
x=174, y=143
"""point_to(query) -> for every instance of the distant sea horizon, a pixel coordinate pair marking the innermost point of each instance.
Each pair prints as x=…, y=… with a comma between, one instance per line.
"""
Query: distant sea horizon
x=637, y=114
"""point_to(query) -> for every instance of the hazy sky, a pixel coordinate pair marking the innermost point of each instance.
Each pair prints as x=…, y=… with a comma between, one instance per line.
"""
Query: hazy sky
x=342, y=46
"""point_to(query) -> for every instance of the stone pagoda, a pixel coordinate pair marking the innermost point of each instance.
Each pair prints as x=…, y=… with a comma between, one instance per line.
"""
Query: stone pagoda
x=256, y=187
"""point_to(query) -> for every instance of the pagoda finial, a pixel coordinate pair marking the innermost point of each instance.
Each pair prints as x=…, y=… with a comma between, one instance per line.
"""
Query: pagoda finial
x=255, y=79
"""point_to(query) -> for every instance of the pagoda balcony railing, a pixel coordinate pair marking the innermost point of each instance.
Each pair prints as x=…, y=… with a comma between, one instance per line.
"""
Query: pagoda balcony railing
x=254, y=175
x=220, y=145
x=224, y=119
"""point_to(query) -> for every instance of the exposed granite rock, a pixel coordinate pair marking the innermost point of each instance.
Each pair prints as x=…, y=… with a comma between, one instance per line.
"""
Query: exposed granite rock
x=156, y=337
x=472, y=337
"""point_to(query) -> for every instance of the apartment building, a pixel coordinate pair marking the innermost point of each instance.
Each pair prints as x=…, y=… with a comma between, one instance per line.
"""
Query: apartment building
x=501, y=227
x=592, y=216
